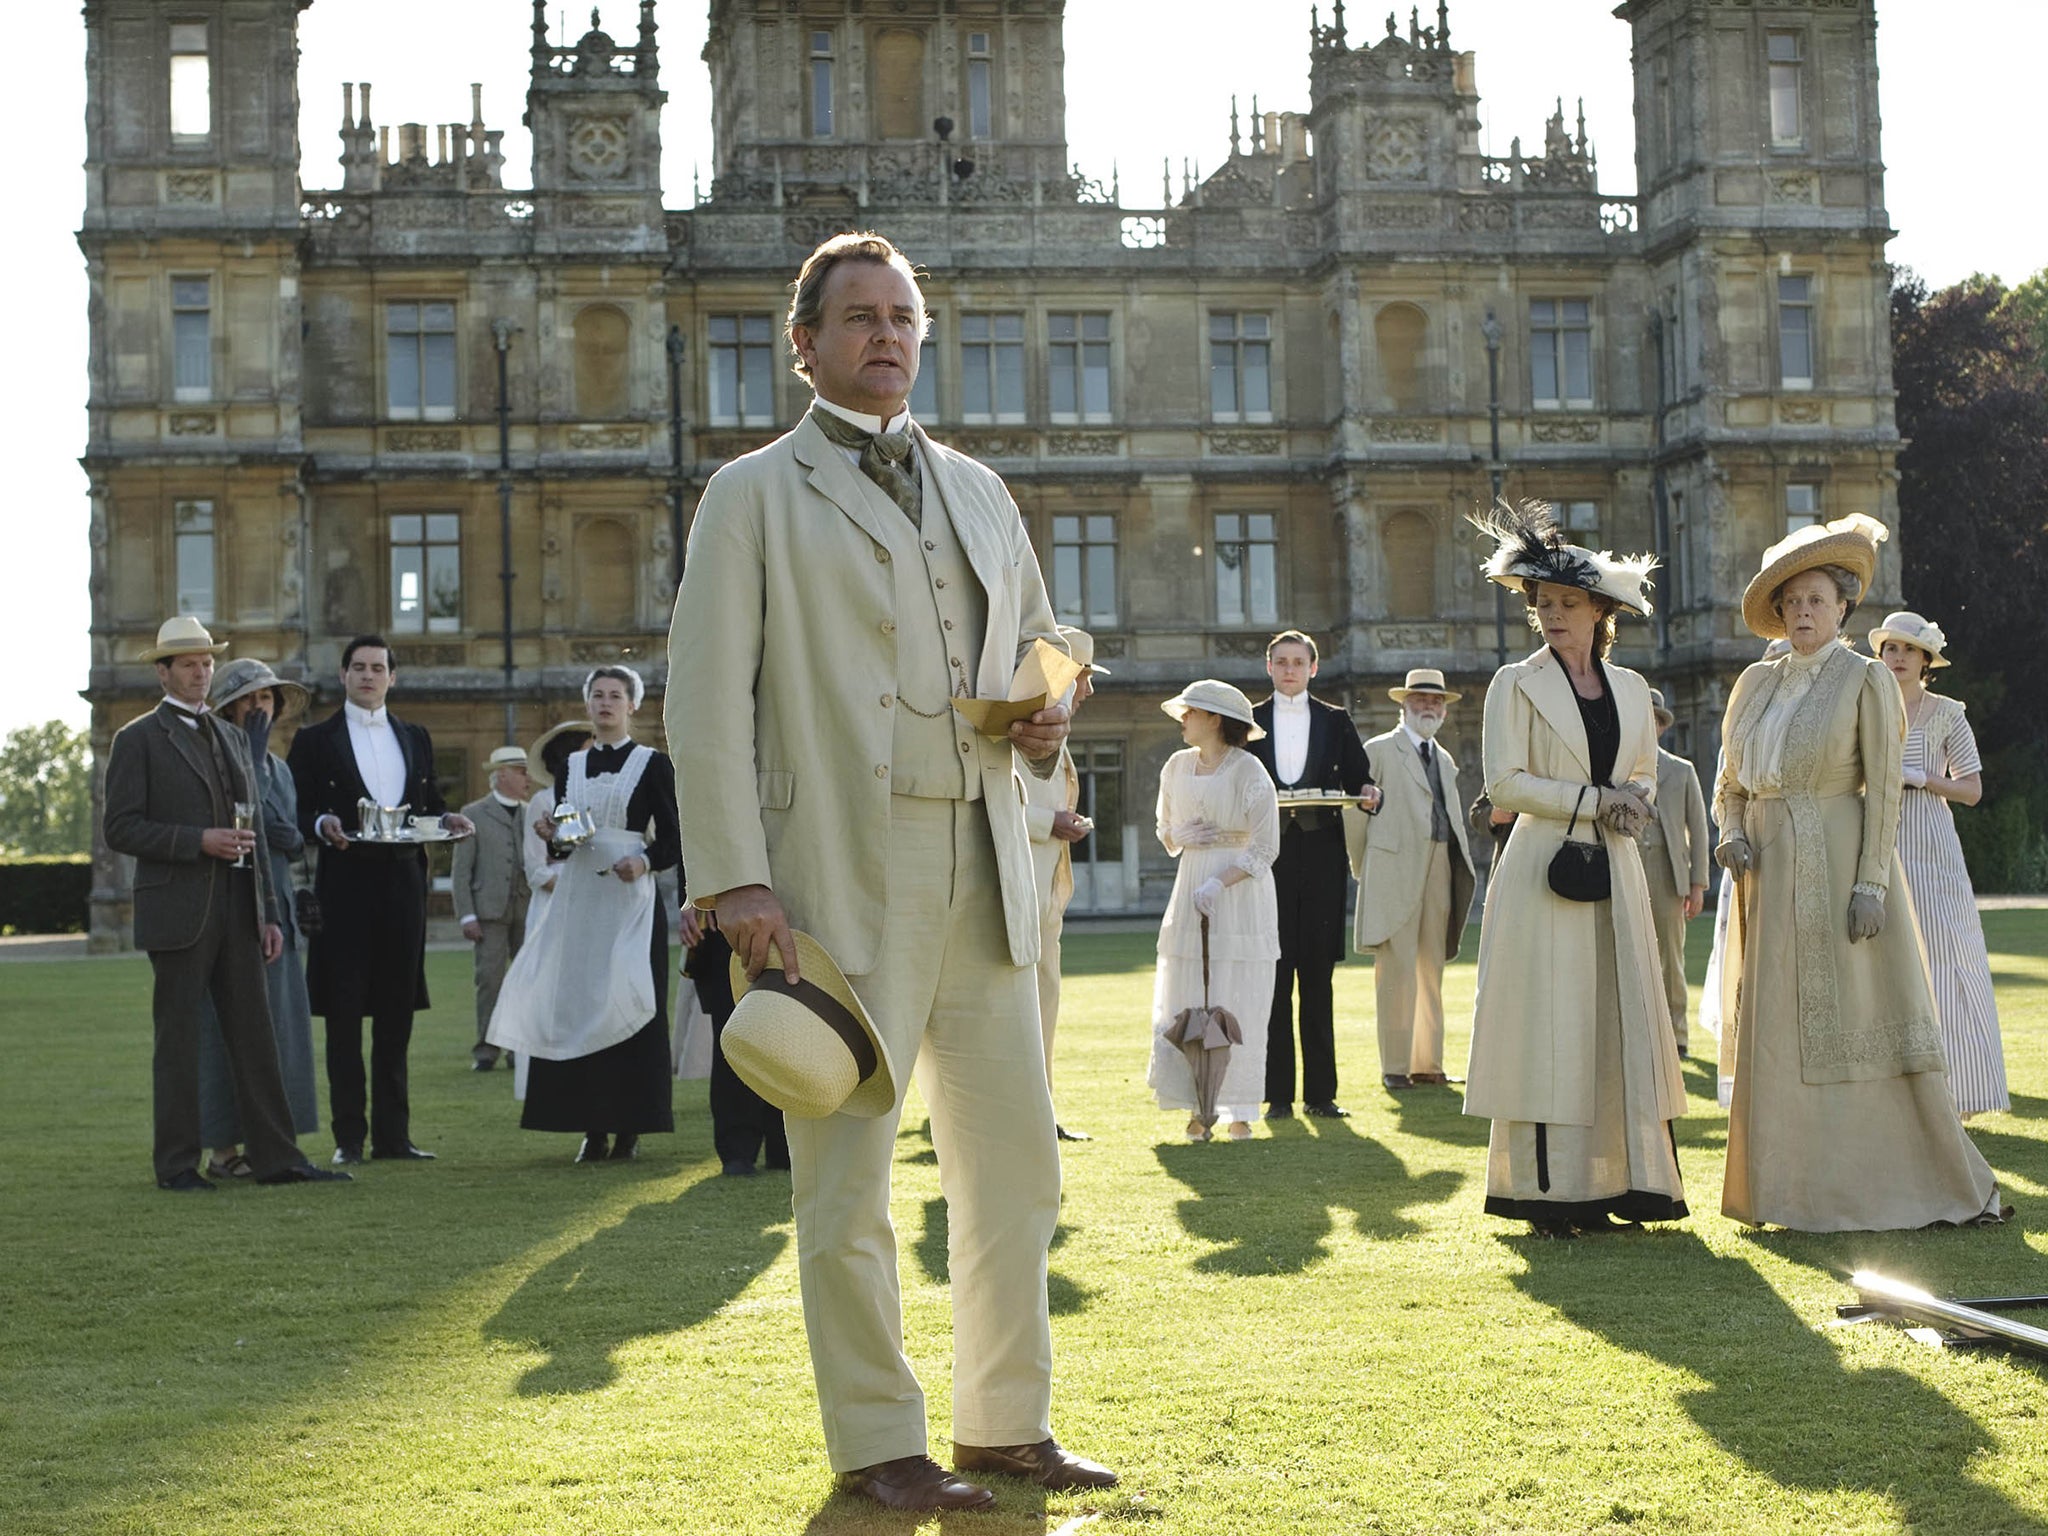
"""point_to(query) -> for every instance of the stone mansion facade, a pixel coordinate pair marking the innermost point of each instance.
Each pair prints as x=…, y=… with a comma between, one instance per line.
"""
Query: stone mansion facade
x=478, y=417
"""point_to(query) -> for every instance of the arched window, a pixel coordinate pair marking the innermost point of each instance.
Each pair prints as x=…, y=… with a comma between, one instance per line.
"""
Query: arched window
x=899, y=84
x=1408, y=559
x=607, y=579
x=601, y=346
x=1400, y=332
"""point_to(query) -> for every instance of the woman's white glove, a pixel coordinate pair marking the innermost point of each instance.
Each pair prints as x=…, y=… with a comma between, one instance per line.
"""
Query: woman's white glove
x=1866, y=916
x=1206, y=895
x=1623, y=810
x=1915, y=778
x=1734, y=854
x=1195, y=834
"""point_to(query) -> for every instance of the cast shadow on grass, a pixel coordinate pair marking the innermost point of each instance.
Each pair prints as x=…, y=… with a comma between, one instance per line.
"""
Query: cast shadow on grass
x=1267, y=1201
x=1064, y=1296
x=1437, y=1111
x=1778, y=1395
x=666, y=1266
x=1020, y=1508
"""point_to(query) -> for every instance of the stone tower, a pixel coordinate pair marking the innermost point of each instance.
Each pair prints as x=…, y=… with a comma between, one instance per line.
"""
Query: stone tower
x=1763, y=223
x=595, y=111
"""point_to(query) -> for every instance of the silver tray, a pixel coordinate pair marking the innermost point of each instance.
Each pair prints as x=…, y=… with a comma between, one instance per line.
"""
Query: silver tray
x=411, y=837
x=1333, y=800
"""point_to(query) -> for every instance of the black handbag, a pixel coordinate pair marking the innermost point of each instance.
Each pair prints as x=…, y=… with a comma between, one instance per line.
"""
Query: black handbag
x=1578, y=871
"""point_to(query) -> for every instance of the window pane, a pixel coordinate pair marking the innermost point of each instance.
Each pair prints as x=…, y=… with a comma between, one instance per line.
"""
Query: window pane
x=444, y=587
x=1578, y=365
x=1542, y=312
x=1066, y=583
x=1223, y=327
x=725, y=328
x=754, y=328
x=1543, y=365
x=1102, y=530
x=756, y=387
x=437, y=317
x=193, y=349
x=191, y=292
x=725, y=384
x=924, y=393
x=974, y=381
x=1009, y=327
x=1095, y=327
x=191, y=96
x=1060, y=362
x=1059, y=327
x=1784, y=46
x=405, y=528
x=1264, y=589
x=195, y=573
x=980, y=106
x=1010, y=380
x=1785, y=104
x=443, y=527
x=440, y=371
x=1223, y=378
x=1259, y=526
x=1095, y=380
x=1795, y=345
x=403, y=363
x=821, y=99
x=1229, y=585
x=1258, y=389
x=406, y=611
x=974, y=327
x=1101, y=584
x=1577, y=312
x=1229, y=529
x=1254, y=325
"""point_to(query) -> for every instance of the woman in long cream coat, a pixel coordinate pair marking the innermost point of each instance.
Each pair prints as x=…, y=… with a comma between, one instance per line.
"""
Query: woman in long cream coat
x=1572, y=1051
x=1841, y=1118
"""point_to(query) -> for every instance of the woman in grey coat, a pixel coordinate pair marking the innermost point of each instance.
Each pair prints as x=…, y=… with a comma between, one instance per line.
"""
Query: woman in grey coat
x=248, y=695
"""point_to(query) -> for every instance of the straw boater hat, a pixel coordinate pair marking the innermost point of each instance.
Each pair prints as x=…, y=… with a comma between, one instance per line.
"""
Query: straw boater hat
x=182, y=636
x=1216, y=697
x=246, y=675
x=1081, y=646
x=1850, y=542
x=1911, y=629
x=505, y=757
x=1424, y=680
x=1529, y=546
x=1657, y=708
x=808, y=1049
x=536, y=764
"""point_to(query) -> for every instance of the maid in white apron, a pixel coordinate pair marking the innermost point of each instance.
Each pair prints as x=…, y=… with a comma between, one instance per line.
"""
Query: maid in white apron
x=585, y=1002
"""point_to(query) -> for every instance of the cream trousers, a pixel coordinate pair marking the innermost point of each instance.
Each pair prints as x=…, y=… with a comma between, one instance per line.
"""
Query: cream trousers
x=1408, y=978
x=945, y=996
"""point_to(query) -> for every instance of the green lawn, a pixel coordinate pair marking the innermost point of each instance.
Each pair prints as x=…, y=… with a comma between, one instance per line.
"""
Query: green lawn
x=1315, y=1332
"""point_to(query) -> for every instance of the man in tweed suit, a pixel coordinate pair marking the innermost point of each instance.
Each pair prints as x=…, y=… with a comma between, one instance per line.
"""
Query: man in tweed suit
x=489, y=887
x=174, y=779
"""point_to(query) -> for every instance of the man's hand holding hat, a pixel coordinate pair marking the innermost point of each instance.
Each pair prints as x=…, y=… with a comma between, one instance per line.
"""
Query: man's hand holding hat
x=752, y=920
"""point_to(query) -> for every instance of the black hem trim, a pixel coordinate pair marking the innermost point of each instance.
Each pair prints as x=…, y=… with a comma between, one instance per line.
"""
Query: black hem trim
x=1634, y=1205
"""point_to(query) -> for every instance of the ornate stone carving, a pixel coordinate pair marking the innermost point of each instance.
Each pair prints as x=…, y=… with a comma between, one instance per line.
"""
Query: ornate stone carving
x=1393, y=429
x=1242, y=444
x=1800, y=412
x=1081, y=445
x=721, y=447
x=423, y=212
x=423, y=440
x=1235, y=186
x=582, y=215
x=1238, y=645
x=189, y=187
x=1411, y=637
x=600, y=650
x=1564, y=429
x=1400, y=215
x=194, y=424
x=607, y=438
x=1573, y=213
x=1112, y=645
x=1487, y=216
x=600, y=148
x=1397, y=149
x=1793, y=187
x=417, y=655
x=997, y=445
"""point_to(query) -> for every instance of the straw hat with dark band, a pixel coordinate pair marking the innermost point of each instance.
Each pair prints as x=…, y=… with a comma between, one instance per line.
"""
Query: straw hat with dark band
x=807, y=1047
x=1081, y=646
x=1849, y=542
x=182, y=636
x=1427, y=681
x=246, y=675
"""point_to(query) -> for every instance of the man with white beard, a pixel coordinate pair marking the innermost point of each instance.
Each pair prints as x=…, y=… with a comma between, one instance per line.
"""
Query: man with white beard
x=1415, y=882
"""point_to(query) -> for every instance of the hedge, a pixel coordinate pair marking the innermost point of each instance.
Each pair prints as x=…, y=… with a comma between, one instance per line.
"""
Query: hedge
x=45, y=894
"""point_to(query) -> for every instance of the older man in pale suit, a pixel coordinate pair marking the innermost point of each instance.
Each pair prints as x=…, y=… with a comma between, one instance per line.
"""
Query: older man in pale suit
x=489, y=887
x=1052, y=817
x=1414, y=882
x=1676, y=850
x=844, y=585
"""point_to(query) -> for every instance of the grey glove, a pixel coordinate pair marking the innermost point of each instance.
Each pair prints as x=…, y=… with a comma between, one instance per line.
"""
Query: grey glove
x=1623, y=811
x=1734, y=855
x=1866, y=916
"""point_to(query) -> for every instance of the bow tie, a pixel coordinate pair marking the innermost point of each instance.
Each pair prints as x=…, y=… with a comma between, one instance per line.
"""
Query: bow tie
x=884, y=459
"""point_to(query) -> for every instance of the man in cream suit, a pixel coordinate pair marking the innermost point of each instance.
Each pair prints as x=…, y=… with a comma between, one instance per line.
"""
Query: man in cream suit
x=1676, y=850
x=1050, y=816
x=843, y=586
x=489, y=887
x=1415, y=881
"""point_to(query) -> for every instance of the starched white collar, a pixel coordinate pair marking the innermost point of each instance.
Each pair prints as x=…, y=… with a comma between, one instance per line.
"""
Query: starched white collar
x=900, y=422
x=357, y=715
x=1298, y=705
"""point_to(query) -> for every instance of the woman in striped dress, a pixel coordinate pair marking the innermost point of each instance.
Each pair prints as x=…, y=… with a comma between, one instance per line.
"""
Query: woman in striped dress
x=1942, y=765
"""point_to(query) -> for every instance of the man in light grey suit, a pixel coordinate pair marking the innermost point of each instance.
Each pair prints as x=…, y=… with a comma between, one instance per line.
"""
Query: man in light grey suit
x=844, y=585
x=489, y=887
x=1676, y=850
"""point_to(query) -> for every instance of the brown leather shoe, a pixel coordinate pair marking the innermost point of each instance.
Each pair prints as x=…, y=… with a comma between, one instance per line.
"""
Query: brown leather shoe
x=915, y=1483
x=1045, y=1463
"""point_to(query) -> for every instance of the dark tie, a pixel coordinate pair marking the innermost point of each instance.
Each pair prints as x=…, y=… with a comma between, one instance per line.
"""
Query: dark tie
x=1439, y=817
x=884, y=459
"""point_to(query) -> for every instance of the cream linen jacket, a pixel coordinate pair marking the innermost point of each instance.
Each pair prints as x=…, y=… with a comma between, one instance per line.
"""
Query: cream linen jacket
x=1398, y=848
x=782, y=683
x=1682, y=817
x=1532, y=1024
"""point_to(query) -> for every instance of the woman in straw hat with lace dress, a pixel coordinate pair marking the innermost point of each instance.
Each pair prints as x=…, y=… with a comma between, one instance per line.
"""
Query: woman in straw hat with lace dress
x=1841, y=1118
x=248, y=695
x=1941, y=765
x=1219, y=815
x=1573, y=1057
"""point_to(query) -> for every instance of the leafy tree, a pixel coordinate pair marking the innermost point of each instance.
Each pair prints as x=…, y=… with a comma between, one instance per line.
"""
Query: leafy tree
x=1968, y=364
x=45, y=790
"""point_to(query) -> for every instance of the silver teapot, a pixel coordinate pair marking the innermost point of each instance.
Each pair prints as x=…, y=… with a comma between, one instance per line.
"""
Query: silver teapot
x=383, y=823
x=573, y=828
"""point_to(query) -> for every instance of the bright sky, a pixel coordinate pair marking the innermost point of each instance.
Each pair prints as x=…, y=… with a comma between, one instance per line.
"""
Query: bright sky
x=1145, y=79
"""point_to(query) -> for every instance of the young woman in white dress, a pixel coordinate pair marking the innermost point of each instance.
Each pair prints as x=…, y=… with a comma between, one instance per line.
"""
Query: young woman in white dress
x=1942, y=766
x=1220, y=816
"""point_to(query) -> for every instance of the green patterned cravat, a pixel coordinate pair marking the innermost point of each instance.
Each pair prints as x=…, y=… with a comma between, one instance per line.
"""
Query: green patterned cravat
x=884, y=458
